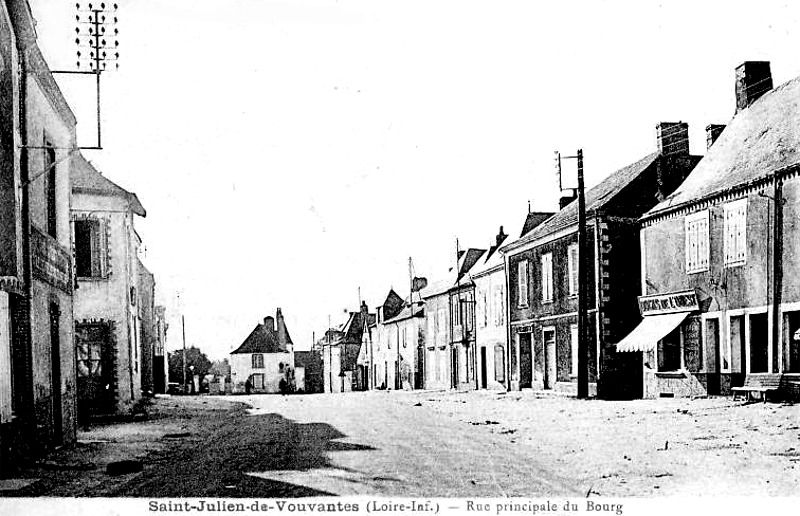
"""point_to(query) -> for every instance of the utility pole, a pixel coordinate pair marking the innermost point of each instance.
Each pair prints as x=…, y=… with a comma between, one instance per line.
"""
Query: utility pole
x=583, y=302
x=583, y=271
x=183, y=327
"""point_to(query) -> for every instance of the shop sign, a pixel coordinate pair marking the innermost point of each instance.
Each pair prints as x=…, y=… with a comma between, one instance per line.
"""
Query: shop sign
x=51, y=262
x=669, y=303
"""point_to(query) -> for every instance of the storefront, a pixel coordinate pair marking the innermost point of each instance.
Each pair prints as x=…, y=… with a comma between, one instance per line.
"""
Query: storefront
x=669, y=338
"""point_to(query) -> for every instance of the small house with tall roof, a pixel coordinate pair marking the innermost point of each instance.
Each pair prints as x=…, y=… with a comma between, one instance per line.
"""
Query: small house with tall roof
x=542, y=274
x=264, y=362
x=720, y=256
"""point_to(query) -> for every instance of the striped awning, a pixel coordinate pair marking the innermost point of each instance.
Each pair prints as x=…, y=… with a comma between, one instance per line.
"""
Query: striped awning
x=652, y=329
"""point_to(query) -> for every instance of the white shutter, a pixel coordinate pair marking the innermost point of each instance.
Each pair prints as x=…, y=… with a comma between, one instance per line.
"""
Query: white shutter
x=522, y=283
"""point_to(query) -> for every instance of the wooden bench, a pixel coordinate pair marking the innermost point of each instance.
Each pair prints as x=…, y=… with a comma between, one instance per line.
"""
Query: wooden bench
x=762, y=383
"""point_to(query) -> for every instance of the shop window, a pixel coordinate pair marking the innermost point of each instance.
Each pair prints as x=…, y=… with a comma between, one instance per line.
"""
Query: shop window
x=697, y=248
x=669, y=352
x=692, y=345
x=736, y=340
x=735, y=231
x=759, y=337
x=716, y=358
x=499, y=363
x=258, y=361
x=522, y=284
x=791, y=342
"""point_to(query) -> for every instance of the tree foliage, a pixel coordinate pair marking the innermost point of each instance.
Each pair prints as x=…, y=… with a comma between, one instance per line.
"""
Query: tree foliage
x=194, y=357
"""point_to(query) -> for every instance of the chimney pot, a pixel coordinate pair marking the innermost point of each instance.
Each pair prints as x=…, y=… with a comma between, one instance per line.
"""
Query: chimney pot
x=712, y=133
x=672, y=138
x=753, y=79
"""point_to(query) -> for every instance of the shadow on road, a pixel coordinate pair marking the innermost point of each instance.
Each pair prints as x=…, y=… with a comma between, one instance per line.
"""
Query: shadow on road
x=231, y=447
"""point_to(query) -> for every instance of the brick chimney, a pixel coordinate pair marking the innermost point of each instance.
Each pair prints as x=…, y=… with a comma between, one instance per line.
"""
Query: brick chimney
x=269, y=324
x=753, y=79
x=281, y=329
x=501, y=237
x=712, y=133
x=672, y=138
x=567, y=196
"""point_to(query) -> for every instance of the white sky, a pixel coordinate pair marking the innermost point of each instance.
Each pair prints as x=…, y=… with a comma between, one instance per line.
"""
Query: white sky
x=289, y=152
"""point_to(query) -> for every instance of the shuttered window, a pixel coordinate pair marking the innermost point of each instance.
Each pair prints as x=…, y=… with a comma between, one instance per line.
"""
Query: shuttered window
x=547, y=277
x=735, y=230
x=90, y=249
x=572, y=268
x=522, y=284
x=697, y=248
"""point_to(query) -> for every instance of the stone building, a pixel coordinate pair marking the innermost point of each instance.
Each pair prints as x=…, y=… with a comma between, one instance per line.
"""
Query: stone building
x=449, y=339
x=381, y=355
x=108, y=322
x=37, y=140
x=264, y=362
x=720, y=282
x=542, y=272
x=491, y=324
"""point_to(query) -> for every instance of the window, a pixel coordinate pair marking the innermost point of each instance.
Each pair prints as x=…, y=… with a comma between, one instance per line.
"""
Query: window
x=484, y=309
x=280, y=366
x=499, y=309
x=791, y=342
x=573, y=341
x=258, y=361
x=522, y=284
x=697, y=242
x=715, y=358
x=405, y=336
x=89, y=249
x=441, y=326
x=547, y=277
x=735, y=230
x=669, y=351
x=572, y=268
x=50, y=188
x=431, y=316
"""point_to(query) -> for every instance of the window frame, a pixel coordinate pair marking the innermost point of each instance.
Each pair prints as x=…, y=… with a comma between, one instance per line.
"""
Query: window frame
x=697, y=225
x=523, y=284
x=572, y=270
x=546, y=260
x=255, y=360
x=734, y=257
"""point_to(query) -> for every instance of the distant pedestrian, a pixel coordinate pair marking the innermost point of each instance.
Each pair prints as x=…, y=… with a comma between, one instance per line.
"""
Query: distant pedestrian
x=248, y=386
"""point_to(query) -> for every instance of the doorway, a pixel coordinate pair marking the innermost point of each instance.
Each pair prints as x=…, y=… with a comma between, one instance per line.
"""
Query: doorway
x=549, y=340
x=791, y=329
x=483, y=367
x=525, y=360
x=453, y=367
x=55, y=364
x=759, y=334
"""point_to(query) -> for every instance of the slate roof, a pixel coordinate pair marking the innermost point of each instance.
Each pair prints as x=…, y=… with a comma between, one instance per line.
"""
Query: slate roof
x=85, y=178
x=759, y=140
x=493, y=258
x=260, y=340
x=596, y=198
x=417, y=310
